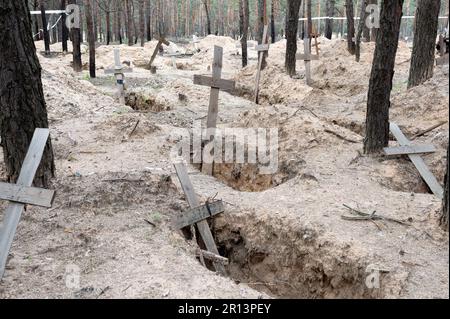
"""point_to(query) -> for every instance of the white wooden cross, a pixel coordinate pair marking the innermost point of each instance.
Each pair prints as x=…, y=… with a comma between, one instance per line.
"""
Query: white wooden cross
x=216, y=83
x=22, y=193
x=264, y=47
x=195, y=41
x=413, y=152
x=119, y=71
x=307, y=57
x=173, y=54
x=194, y=203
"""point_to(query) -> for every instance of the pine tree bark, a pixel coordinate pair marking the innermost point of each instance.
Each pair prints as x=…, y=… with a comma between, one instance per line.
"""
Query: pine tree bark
x=244, y=24
x=292, y=15
x=330, y=6
x=361, y=25
x=75, y=35
x=208, y=19
x=141, y=22
x=272, y=22
x=129, y=22
x=309, y=15
x=91, y=36
x=445, y=202
x=22, y=103
x=380, y=86
x=350, y=26
x=425, y=33
x=148, y=20
x=262, y=22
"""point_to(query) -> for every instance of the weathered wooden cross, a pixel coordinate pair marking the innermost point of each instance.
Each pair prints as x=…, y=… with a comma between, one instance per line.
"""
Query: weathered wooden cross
x=444, y=56
x=198, y=214
x=22, y=193
x=216, y=83
x=307, y=57
x=261, y=48
x=413, y=152
x=161, y=41
x=195, y=41
x=119, y=72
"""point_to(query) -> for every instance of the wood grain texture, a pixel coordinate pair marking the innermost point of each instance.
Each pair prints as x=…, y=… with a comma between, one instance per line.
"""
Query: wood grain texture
x=26, y=195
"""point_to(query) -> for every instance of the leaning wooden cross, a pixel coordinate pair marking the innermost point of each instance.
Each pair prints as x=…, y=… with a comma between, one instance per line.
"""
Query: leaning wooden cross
x=307, y=57
x=22, y=193
x=262, y=48
x=216, y=83
x=119, y=72
x=161, y=41
x=414, y=152
x=198, y=215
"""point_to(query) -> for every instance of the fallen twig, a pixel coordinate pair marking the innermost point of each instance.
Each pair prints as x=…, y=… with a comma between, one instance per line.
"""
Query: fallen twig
x=342, y=137
x=149, y=222
x=134, y=128
x=428, y=130
x=371, y=217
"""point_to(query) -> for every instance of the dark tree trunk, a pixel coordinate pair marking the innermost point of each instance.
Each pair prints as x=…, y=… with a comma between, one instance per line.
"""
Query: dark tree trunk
x=309, y=14
x=330, y=6
x=423, y=53
x=292, y=14
x=262, y=22
x=350, y=26
x=129, y=22
x=36, y=21
x=243, y=25
x=208, y=18
x=362, y=23
x=75, y=35
x=141, y=22
x=380, y=86
x=44, y=27
x=445, y=202
x=149, y=20
x=272, y=22
x=64, y=30
x=22, y=103
x=91, y=36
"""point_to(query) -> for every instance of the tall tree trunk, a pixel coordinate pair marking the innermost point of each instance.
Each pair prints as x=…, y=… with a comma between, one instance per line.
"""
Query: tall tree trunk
x=423, y=53
x=44, y=27
x=309, y=15
x=330, y=6
x=272, y=22
x=208, y=19
x=292, y=14
x=75, y=35
x=129, y=22
x=244, y=24
x=362, y=23
x=65, y=31
x=378, y=102
x=350, y=26
x=149, y=20
x=445, y=202
x=141, y=22
x=91, y=36
x=22, y=102
x=36, y=21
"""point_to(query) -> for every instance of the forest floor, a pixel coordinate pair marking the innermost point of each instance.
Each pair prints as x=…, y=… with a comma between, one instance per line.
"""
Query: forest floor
x=283, y=233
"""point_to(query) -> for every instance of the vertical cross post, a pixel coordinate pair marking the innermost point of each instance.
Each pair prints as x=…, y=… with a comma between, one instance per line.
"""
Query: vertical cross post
x=264, y=47
x=161, y=41
x=119, y=72
x=216, y=83
x=14, y=210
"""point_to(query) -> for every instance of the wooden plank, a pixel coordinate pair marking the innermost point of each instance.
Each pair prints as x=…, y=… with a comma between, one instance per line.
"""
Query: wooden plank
x=197, y=214
x=260, y=61
x=14, y=210
x=193, y=201
x=307, y=57
x=155, y=53
x=27, y=195
x=222, y=84
x=423, y=169
x=406, y=150
x=262, y=47
x=212, y=257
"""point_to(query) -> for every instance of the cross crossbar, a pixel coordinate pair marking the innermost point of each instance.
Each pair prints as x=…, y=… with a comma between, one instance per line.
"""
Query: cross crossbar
x=197, y=214
x=406, y=150
x=27, y=195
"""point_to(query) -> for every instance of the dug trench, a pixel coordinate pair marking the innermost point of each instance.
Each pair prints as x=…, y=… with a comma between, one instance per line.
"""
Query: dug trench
x=286, y=262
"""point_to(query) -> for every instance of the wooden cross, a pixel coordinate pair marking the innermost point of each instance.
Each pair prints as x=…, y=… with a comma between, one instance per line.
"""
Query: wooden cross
x=199, y=213
x=22, y=193
x=307, y=57
x=216, y=83
x=264, y=47
x=413, y=152
x=161, y=41
x=195, y=40
x=119, y=72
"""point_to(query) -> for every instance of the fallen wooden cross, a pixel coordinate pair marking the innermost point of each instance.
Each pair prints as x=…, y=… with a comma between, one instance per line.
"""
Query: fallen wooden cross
x=119, y=72
x=307, y=57
x=261, y=48
x=413, y=151
x=216, y=83
x=161, y=41
x=22, y=193
x=197, y=213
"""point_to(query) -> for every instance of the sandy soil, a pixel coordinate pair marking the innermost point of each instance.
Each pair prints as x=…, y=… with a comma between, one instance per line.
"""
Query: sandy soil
x=283, y=233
